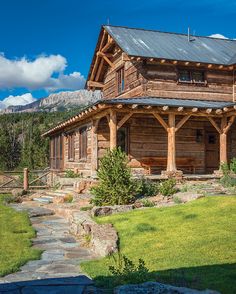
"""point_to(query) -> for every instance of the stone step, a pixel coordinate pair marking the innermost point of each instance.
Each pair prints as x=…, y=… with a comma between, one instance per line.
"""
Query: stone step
x=57, y=193
x=43, y=199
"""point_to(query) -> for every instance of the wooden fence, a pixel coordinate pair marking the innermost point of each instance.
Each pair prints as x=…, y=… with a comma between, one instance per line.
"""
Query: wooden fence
x=25, y=179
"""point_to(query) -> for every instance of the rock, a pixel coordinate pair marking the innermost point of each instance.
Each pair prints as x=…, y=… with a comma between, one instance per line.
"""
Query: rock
x=84, y=186
x=187, y=196
x=18, y=192
x=107, y=210
x=157, y=288
x=104, y=239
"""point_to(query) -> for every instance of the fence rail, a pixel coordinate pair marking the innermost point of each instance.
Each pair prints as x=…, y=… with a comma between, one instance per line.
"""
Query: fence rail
x=25, y=179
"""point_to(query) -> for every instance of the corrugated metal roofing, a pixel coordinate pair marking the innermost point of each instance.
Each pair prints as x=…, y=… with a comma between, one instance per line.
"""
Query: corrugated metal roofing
x=156, y=44
x=154, y=101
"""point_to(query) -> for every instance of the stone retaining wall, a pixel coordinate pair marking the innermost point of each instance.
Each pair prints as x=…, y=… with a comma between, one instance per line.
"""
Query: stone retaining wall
x=103, y=238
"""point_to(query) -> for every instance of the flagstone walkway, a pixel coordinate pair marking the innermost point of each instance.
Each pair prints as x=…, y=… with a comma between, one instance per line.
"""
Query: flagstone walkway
x=58, y=270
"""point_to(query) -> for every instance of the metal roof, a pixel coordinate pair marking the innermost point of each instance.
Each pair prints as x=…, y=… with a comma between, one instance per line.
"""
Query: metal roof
x=154, y=101
x=173, y=46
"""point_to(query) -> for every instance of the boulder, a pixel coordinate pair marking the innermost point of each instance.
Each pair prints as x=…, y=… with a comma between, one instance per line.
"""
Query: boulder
x=104, y=239
x=108, y=210
x=18, y=192
x=187, y=196
x=158, y=288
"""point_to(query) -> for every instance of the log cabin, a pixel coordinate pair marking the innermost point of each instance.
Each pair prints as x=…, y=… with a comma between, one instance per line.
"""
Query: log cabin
x=169, y=102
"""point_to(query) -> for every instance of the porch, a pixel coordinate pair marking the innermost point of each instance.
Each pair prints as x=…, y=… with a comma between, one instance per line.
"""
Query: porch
x=167, y=137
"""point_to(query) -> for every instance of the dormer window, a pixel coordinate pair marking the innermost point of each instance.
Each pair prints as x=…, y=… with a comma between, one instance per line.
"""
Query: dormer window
x=191, y=76
x=120, y=80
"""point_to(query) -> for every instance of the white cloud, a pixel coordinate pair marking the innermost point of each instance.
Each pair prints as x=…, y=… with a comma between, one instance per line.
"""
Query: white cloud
x=17, y=100
x=218, y=36
x=38, y=74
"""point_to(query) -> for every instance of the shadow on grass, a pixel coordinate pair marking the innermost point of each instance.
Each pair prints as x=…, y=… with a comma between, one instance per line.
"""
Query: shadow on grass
x=220, y=277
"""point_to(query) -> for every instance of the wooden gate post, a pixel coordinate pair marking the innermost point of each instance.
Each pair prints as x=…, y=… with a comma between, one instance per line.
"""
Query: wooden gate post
x=26, y=179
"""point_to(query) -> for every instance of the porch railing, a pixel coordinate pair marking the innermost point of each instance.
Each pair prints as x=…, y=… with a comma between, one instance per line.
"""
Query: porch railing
x=25, y=179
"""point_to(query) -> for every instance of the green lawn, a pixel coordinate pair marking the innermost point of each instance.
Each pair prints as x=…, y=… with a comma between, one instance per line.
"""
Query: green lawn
x=192, y=245
x=15, y=235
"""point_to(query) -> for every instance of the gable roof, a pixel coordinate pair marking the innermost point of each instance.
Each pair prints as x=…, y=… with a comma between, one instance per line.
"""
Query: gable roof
x=173, y=46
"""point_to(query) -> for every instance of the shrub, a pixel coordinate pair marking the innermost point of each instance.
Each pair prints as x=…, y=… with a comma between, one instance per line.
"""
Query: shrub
x=177, y=200
x=147, y=203
x=85, y=208
x=233, y=165
x=224, y=168
x=71, y=174
x=227, y=181
x=125, y=271
x=167, y=188
x=146, y=187
x=68, y=198
x=116, y=185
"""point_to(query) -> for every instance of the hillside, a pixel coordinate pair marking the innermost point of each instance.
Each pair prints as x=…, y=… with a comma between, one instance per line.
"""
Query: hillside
x=57, y=102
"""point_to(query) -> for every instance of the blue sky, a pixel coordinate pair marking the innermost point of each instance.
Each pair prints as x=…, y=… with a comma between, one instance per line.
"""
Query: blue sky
x=47, y=45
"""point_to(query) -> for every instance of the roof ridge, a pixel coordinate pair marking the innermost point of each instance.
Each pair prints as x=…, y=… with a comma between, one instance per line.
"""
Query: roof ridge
x=165, y=32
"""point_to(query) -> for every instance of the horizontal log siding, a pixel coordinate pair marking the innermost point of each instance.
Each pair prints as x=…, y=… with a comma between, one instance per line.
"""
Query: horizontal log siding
x=83, y=166
x=162, y=82
x=133, y=79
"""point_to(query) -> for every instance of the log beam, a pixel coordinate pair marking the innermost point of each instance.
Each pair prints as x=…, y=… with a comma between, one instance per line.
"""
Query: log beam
x=161, y=121
x=214, y=124
x=182, y=122
x=124, y=120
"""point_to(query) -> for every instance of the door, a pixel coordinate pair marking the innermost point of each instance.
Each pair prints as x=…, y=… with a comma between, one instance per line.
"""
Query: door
x=212, y=151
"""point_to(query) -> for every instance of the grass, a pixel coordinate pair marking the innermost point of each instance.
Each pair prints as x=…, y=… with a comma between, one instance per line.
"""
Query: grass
x=16, y=233
x=191, y=245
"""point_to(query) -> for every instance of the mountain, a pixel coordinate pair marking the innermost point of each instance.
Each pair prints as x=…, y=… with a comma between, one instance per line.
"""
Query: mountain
x=57, y=102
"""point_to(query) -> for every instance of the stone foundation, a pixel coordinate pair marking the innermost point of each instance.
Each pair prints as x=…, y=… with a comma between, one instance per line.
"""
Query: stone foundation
x=178, y=174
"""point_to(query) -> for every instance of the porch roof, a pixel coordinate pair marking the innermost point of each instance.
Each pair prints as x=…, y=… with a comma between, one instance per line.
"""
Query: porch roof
x=102, y=104
x=171, y=102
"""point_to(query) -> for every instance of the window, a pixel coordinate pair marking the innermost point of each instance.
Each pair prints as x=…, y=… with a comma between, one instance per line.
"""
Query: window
x=120, y=78
x=71, y=147
x=83, y=143
x=192, y=76
x=123, y=139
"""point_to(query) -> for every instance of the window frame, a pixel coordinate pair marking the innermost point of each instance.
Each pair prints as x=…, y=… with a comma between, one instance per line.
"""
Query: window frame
x=120, y=81
x=191, y=71
x=83, y=145
x=71, y=146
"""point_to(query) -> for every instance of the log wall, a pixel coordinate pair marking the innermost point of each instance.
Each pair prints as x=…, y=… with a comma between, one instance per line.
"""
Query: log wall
x=157, y=80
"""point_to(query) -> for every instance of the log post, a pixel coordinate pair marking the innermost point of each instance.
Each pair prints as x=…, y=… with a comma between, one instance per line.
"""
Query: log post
x=94, y=143
x=223, y=141
x=26, y=179
x=171, y=156
x=113, y=129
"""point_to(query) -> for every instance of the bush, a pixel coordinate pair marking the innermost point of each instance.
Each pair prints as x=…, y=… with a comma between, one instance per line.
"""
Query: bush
x=167, y=188
x=146, y=187
x=224, y=168
x=147, y=203
x=233, y=165
x=177, y=200
x=68, y=198
x=227, y=181
x=116, y=185
x=71, y=174
x=125, y=271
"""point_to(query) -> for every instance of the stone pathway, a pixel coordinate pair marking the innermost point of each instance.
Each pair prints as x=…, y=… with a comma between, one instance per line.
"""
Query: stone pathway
x=58, y=270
